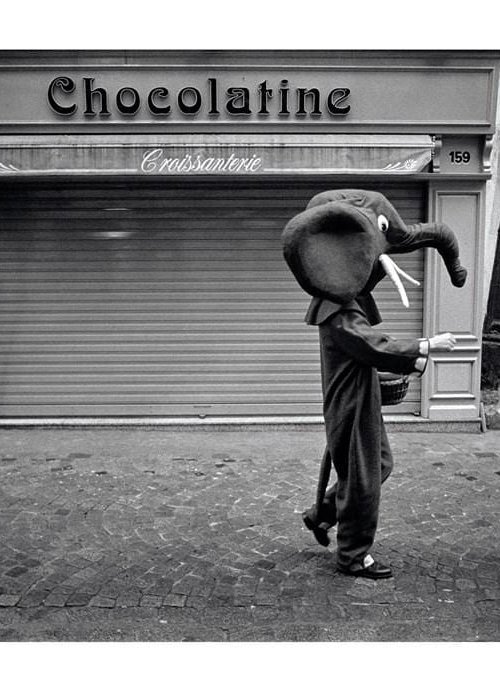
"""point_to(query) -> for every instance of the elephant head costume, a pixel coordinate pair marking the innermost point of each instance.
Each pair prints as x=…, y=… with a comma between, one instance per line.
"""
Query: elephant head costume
x=338, y=247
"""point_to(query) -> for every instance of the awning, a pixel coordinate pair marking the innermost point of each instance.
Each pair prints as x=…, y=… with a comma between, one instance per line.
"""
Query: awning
x=212, y=154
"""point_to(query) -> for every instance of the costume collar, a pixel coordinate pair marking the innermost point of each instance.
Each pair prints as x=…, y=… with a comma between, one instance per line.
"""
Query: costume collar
x=321, y=309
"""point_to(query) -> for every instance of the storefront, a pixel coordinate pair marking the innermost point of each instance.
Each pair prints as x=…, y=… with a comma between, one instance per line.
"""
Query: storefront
x=142, y=203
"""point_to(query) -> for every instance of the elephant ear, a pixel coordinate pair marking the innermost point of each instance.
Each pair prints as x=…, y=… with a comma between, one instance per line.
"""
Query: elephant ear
x=330, y=249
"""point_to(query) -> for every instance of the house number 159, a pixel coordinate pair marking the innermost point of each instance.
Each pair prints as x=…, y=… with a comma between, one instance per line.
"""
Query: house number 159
x=460, y=156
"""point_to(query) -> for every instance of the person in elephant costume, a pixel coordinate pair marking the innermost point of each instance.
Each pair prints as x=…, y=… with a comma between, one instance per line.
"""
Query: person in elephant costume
x=338, y=250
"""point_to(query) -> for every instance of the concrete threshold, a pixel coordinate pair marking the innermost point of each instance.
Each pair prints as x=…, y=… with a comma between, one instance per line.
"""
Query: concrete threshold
x=394, y=423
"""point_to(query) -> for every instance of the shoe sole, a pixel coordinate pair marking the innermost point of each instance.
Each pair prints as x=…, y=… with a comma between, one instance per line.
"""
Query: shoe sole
x=365, y=574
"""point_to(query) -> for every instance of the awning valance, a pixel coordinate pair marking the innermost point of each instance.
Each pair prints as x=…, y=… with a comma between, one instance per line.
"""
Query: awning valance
x=213, y=154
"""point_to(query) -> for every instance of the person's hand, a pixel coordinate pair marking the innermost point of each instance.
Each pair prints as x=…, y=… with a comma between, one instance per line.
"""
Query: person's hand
x=442, y=342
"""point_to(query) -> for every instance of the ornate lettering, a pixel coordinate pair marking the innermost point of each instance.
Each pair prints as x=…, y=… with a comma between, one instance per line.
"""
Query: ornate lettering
x=67, y=85
x=150, y=160
x=336, y=97
x=90, y=93
x=239, y=101
x=262, y=100
x=212, y=88
x=161, y=93
x=131, y=108
x=283, y=92
x=264, y=94
x=189, y=109
x=155, y=161
x=301, y=99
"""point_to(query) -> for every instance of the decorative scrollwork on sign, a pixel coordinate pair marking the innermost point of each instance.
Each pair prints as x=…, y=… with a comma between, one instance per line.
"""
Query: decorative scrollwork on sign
x=406, y=165
x=487, y=151
x=436, y=153
x=7, y=168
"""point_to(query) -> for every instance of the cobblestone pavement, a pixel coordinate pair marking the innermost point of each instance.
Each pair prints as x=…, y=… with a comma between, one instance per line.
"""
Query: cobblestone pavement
x=154, y=535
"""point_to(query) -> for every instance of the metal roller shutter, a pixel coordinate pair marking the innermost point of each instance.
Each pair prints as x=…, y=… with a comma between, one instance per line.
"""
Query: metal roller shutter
x=165, y=298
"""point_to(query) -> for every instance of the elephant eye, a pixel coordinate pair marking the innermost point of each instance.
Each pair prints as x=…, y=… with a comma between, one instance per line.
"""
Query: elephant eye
x=383, y=224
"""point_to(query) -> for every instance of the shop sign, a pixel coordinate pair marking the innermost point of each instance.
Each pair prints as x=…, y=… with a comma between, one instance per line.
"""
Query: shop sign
x=194, y=155
x=65, y=93
x=144, y=98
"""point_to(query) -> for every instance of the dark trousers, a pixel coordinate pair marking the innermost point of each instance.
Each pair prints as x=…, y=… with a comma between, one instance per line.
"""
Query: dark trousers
x=353, y=500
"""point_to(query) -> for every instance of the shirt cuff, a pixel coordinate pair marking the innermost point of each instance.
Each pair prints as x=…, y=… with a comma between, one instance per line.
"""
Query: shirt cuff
x=423, y=347
x=420, y=365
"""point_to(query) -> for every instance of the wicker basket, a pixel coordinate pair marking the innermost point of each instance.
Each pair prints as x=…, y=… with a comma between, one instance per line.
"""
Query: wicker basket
x=393, y=387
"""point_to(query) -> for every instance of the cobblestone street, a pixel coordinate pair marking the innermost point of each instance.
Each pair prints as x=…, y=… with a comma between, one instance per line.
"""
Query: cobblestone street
x=157, y=535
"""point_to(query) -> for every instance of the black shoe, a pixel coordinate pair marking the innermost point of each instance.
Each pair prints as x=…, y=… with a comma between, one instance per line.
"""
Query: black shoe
x=320, y=531
x=375, y=570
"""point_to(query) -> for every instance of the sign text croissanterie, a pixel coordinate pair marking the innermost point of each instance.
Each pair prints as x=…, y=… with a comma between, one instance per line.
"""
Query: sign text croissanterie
x=155, y=161
x=67, y=96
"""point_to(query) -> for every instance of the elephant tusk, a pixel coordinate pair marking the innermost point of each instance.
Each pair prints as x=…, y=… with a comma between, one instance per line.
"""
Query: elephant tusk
x=404, y=274
x=393, y=271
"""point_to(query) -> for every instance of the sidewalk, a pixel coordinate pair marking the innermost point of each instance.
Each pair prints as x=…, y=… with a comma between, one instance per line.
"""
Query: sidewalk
x=156, y=535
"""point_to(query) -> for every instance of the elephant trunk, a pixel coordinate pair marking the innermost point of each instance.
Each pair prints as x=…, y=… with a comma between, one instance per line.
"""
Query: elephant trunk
x=438, y=236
